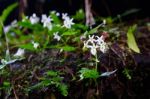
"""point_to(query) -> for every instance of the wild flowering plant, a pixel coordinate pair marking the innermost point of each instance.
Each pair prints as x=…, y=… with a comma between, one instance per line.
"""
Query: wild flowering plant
x=55, y=31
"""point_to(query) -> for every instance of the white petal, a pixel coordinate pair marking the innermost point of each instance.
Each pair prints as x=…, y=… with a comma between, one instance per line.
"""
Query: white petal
x=20, y=52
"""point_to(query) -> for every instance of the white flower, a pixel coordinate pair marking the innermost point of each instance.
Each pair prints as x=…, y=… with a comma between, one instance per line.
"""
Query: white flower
x=35, y=44
x=20, y=52
x=64, y=15
x=7, y=28
x=34, y=19
x=104, y=22
x=46, y=21
x=102, y=45
x=56, y=36
x=93, y=50
x=57, y=14
x=14, y=23
x=3, y=61
x=68, y=22
x=91, y=39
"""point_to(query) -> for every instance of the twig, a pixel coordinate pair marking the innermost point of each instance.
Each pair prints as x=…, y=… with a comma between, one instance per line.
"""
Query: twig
x=16, y=97
x=89, y=16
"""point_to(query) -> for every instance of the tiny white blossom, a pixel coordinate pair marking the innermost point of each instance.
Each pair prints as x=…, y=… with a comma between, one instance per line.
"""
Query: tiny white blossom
x=104, y=22
x=57, y=14
x=102, y=45
x=14, y=23
x=34, y=19
x=56, y=36
x=7, y=28
x=3, y=61
x=64, y=15
x=35, y=44
x=68, y=22
x=93, y=50
x=46, y=21
x=91, y=39
x=20, y=52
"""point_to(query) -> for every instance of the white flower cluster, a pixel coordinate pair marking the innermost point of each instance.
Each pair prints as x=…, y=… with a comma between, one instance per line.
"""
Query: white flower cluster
x=68, y=22
x=47, y=21
x=94, y=43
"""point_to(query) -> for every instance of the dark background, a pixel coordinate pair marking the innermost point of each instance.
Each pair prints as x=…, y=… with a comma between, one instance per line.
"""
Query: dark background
x=99, y=7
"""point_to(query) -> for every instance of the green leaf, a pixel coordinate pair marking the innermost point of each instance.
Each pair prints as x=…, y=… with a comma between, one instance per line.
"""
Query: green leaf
x=131, y=39
x=68, y=48
x=126, y=72
x=69, y=33
x=2, y=66
x=80, y=27
x=27, y=24
x=52, y=73
x=55, y=18
x=65, y=48
x=79, y=15
x=94, y=30
x=5, y=14
x=88, y=73
x=6, y=84
x=28, y=46
x=63, y=89
x=7, y=11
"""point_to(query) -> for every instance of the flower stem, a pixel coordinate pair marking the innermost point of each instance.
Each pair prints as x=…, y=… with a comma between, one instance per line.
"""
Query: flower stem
x=96, y=60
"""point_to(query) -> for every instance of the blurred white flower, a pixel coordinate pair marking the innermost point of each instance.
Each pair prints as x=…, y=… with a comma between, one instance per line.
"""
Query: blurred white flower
x=34, y=19
x=20, y=52
x=56, y=36
x=14, y=23
x=102, y=45
x=64, y=15
x=68, y=22
x=7, y=28
x=57, y=14
x=35, y=44
x=46, y=21
x=93, y=49
x=3, y=61
x=104, y=22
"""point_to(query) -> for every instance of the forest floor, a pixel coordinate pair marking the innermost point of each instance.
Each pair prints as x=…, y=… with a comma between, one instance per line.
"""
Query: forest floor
x=130, y=81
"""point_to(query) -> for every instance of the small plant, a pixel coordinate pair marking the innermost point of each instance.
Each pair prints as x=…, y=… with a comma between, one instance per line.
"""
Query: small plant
x=51, y=78
x=127, y=73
